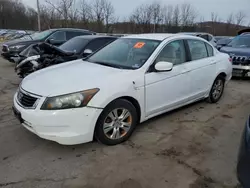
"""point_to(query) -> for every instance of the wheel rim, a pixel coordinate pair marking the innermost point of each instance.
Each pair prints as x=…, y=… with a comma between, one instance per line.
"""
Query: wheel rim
x=117, y=123
x=217, y=89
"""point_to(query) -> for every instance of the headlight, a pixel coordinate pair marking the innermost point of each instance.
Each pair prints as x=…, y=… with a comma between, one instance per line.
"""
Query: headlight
x=73, y=100
x=17, y=47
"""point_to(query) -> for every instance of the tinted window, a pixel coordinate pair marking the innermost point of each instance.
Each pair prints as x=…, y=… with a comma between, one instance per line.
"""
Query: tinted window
x=127, y=53
x=76, y=45
x=224, y=41
x=197, y=49
x=98, y=43
x=72, y=34
x=173, y=52
x=210, y=37
x=59, y=36
x=41, y=35
x=204, y=37
x=210, y=50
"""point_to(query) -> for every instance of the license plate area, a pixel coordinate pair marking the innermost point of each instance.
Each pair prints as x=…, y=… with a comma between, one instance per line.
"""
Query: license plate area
x=17, y=114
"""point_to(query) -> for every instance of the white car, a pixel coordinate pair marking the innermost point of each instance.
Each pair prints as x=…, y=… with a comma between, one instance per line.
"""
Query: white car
x=127, y=82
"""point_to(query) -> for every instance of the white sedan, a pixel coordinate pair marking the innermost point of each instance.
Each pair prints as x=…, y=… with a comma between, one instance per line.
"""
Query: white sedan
x=127, y=82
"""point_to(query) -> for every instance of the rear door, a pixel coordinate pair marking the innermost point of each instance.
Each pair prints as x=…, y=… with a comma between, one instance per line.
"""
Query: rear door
x=202, y=67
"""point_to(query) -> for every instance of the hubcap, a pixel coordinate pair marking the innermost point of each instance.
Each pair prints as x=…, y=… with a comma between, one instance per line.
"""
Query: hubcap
x=117, y=123
x=217, y=89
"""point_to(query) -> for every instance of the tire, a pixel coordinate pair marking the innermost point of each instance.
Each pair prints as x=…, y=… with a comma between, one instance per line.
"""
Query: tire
x=110, y=128
x=213, y=97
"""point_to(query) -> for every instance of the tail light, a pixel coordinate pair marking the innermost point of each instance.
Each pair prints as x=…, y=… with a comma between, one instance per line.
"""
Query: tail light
x=230, y=59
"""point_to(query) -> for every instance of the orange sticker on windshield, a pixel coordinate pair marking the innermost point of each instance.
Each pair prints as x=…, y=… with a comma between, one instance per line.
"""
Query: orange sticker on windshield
x=139, y=44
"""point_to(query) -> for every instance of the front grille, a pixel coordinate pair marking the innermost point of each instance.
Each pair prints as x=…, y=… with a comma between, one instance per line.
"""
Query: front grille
x=5, y=49
x=240, y=60
x=26, y=100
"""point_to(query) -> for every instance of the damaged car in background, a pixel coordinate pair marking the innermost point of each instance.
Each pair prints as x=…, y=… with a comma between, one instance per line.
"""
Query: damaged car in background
x=56, y=37
x=39, y=56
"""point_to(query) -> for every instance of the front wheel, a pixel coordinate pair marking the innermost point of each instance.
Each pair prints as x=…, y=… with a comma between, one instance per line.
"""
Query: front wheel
x=116, y=123
x=216, y=90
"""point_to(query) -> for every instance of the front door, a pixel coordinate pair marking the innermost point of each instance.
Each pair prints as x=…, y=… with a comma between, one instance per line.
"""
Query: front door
x=167, y=90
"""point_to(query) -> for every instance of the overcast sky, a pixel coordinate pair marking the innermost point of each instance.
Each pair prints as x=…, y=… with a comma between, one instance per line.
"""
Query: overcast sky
x=204, y=7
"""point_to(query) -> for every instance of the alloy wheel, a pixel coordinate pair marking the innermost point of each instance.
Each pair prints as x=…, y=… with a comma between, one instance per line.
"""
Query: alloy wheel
x=117, y=123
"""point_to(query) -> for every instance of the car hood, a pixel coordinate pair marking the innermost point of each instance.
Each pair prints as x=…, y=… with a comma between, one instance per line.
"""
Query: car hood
x=236, y=51
x=20, y=42
x=71, y=77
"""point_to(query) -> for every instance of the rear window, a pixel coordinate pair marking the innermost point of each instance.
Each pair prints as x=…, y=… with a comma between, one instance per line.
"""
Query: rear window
x=210, y=50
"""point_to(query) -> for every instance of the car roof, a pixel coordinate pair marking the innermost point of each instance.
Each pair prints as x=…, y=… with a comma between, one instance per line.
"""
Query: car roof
x=71, y=29
x=91, y=37
x=159, y=36
x=151, y=36
x=195, y=33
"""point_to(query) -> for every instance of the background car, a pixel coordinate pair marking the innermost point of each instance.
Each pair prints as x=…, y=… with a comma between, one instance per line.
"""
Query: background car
x=243, y=164
x=239, y=51
x=223, y=42
x=78, y=47
x=56, y=37
x=208, y=37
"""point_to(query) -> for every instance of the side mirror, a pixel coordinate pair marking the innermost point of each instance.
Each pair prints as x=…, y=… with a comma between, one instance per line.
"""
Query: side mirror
x=163, y=66
x=51, y=41
x=87, y=52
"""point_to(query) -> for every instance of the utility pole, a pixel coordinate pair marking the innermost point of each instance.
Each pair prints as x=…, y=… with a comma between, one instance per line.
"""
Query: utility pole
x=38, y=15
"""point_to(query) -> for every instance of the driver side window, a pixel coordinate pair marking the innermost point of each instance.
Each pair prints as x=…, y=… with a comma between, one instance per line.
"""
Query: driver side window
x=174, y=52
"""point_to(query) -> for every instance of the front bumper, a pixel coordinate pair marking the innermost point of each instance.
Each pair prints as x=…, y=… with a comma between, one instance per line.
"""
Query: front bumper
x=10, y=56
x=66, y=127
x=241, y=70
x=243, y=165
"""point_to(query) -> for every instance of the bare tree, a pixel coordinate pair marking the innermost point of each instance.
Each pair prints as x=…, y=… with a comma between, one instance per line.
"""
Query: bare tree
x=176, y=16
x=109, y=14
x=142, y=17
x=85, y=12
x=64, y=7
x=230, y=19
x=98, y=13
x=157, y=15
x=214, y=19
x=240, y=18
x=168, y=15
x=188, y=14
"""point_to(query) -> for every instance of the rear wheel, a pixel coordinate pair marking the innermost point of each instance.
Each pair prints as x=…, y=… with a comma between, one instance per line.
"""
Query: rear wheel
x=217, y=90
x=116, y=123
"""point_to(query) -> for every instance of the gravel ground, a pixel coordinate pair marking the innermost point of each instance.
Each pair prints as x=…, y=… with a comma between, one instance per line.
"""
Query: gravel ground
x=193, y=147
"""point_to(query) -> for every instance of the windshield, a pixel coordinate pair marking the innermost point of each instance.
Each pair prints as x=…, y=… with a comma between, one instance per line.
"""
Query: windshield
x=41, y=35
x=241, y=41
x=26, y=37
x=224, y=41
x=125, y=53
x=74, y=45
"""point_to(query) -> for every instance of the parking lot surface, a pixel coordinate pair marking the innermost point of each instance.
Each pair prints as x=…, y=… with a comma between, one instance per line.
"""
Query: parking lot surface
x=193, y=147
